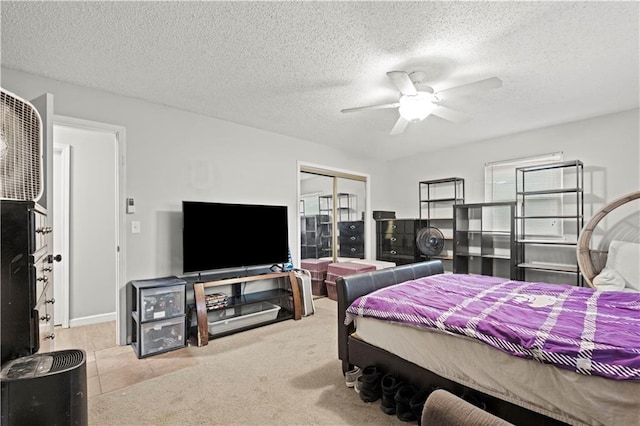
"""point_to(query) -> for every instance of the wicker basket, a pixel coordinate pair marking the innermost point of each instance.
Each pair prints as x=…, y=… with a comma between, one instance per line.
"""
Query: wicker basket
x=318, y=287
x=318, y=270
x=590, y=261
x=332, y=293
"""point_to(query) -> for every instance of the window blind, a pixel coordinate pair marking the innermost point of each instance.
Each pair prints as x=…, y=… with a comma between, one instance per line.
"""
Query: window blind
x=502, y=183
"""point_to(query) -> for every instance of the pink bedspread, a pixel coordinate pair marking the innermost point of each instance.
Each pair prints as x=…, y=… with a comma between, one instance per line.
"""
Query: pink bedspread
x=587, y=331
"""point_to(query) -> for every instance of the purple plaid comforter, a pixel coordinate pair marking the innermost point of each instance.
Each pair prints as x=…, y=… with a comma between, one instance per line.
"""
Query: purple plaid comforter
x=580, y=329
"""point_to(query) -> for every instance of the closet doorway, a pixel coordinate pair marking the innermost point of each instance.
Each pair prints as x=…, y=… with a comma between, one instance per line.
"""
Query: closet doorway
x=333, y=214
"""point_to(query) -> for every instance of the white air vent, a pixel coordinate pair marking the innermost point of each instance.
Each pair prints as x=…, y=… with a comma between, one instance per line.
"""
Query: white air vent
x=20, y=149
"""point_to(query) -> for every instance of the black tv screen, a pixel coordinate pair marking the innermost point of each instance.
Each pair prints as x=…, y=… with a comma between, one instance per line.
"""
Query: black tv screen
x=220, y=235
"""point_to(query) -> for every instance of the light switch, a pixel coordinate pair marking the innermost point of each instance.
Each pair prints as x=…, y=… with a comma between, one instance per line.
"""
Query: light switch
x=135, y=227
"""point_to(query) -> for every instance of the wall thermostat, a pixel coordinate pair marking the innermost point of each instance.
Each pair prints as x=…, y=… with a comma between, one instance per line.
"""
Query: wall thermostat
x=131, y=205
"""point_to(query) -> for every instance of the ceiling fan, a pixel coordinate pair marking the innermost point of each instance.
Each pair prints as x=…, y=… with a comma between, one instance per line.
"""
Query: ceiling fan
x=418, y=101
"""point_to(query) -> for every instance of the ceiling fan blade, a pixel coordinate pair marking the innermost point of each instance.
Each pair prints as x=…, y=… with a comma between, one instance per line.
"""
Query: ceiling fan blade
x=450, y=115
x=399, y=127
x=486, y=84
x=402, y=81
x=393, y=105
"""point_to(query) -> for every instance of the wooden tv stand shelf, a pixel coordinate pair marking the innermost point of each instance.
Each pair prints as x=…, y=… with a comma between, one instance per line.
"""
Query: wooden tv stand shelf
x=202, y=333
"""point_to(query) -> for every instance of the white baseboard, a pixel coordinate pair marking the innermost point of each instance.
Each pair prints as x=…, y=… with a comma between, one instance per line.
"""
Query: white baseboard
x=92, y=319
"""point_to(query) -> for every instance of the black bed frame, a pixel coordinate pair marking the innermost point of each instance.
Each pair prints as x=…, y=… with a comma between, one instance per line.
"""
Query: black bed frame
x=353, y=351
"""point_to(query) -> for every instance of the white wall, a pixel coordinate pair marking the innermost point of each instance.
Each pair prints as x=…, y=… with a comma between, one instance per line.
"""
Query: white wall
x=174, y=155
x=609, y=147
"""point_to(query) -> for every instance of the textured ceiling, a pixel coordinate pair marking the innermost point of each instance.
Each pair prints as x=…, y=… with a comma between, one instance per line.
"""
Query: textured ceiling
x=290, y=67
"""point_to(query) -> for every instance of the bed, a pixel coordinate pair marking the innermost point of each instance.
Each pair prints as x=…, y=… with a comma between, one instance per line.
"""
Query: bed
x=518, y=389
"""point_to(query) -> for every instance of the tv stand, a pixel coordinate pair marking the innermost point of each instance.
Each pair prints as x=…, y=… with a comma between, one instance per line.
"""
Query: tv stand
x=237, y=300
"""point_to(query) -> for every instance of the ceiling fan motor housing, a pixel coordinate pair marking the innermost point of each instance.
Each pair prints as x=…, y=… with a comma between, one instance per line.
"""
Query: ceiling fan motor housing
x=418, y=100
x=416, y=107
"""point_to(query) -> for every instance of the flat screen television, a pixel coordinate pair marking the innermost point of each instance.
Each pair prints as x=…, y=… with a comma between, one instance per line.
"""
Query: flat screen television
x=221, y=235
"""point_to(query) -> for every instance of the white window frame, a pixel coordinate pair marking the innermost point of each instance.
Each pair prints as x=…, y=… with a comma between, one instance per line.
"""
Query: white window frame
x=501, y=184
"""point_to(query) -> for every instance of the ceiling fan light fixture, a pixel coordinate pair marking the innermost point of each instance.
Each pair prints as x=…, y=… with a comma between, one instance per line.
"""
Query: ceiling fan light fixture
x=417, y=100
x=416, y=107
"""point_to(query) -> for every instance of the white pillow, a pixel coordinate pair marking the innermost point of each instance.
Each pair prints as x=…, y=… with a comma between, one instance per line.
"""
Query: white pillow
x=609, y=280
x=624, y=258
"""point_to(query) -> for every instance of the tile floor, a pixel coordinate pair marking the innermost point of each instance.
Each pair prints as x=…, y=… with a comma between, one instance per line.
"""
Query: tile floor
x=111, y=367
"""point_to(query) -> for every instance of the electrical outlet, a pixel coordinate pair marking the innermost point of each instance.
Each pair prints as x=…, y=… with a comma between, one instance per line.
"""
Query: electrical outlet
x=135, y=227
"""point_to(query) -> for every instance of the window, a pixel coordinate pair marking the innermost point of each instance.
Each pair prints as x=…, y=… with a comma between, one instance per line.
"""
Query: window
x=501, y=184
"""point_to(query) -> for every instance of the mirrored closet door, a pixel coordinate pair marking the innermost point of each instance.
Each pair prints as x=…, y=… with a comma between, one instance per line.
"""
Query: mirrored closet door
x=332, y=215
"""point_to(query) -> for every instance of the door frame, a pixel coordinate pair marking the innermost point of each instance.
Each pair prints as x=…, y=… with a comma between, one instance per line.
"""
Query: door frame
x=304, y=167
x=120, y=237
x=65, y=159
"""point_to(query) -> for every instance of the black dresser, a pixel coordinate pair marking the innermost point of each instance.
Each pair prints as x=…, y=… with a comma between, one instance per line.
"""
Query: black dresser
x=26, y=285
x=351, y=238
x=396, y=240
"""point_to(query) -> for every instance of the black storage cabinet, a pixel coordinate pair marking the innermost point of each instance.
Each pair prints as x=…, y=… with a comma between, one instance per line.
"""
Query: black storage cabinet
x=351, y=238
x=25, y=274
x=396, y=240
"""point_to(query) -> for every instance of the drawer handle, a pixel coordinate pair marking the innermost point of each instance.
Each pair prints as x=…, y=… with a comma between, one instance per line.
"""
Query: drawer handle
x=353, y=238
x=353, y=249
x=45, y=279
x=52, y=301
x=394, y=226
x=45, y=317
x=47, y=269
x=352, y=227
x=394, y=239
x=51, y=336
x=393, y=252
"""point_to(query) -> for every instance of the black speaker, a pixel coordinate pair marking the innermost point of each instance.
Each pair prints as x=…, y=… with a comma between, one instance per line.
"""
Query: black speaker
x=45, y=389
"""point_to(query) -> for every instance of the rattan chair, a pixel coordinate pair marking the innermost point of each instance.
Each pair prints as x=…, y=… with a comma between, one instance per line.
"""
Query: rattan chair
x=591, y=261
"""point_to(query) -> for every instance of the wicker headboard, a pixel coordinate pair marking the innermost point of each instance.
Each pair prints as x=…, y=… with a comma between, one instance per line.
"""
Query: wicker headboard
x=590, y=261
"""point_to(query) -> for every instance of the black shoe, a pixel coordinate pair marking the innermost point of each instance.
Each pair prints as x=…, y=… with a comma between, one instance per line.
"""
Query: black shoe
x=417, y=402
x=403, y=403
x=390, y=385
x=370, y=390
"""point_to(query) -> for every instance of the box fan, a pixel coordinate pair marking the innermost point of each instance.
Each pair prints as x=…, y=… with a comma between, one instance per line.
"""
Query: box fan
x=20, y=149
x=430, y=241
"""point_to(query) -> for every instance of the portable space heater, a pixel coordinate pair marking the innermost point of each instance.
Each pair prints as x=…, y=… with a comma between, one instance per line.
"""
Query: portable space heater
x=45, y=389
x=21, y=174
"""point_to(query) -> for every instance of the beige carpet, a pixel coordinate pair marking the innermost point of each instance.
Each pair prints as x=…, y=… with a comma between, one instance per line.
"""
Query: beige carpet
x=281, y=374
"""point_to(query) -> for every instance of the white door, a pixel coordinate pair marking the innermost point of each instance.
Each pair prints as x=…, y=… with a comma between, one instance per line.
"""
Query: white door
x=61, y=188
